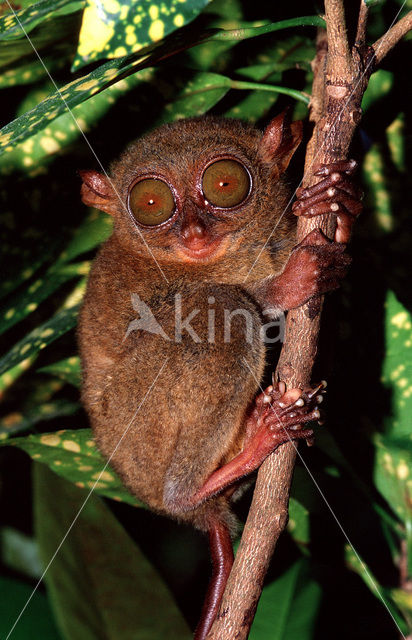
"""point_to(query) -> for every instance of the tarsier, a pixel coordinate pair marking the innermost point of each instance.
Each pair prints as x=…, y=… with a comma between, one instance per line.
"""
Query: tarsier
x=201, y=214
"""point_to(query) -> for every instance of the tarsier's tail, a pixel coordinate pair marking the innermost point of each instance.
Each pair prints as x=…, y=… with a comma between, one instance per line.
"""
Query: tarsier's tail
x=221, y=552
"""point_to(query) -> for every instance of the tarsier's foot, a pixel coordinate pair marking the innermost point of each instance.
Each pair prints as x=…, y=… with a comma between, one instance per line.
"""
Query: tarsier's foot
x=277, y=416
x=283, y=414
x=335, y=194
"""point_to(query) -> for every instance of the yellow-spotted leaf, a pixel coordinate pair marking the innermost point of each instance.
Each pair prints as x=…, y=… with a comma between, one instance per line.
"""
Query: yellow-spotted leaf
x=299, y=525
x=40, y=338
x=21, y=262
x=14, y=24
x=109, y=73
x=393, y=464
x=68, y=370
x=115, y=28
x=43, y=146
x=82, y=89
x=30, y=72
x=73, y=455
x=25, y=302
x=17, y=421
x=393, y=475
x=397, y=367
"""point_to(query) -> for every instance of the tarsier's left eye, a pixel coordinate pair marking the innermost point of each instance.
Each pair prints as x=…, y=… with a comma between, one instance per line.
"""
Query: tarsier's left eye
x=226, y=183
x=151, y=202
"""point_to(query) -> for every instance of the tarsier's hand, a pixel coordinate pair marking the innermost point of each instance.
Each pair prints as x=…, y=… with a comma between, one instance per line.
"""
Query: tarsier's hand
x=335, y=194
x=315, y=266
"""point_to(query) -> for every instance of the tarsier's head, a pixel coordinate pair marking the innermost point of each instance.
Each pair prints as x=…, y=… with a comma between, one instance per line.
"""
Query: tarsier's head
x=197, y=189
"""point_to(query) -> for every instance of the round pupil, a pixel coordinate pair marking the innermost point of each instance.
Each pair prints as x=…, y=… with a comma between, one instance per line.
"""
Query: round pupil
x=226, y=183
x=151, y=202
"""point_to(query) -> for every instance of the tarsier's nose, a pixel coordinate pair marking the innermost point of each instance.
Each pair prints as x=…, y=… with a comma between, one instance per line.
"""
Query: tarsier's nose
x=194, y=232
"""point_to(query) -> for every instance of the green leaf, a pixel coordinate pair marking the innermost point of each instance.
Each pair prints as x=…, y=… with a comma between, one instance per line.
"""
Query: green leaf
x=203, y=90
x=13, y=26
x=113, y=29
x=22, y=304
x=19, y=552
x=39, y=338
x=73, y=455
x=15, y=422
x=299, y=525
x=43, y=146
x=199, y=94
x=30, y=72
x=21, y=261
x=355, y=563
x=81, y=89
x=94, y=230
x=393, y=474
x=38, y=622
x=100, y=583
x=252, y=106
x=380, y=84
x=107, y=74
x=397, y=366
x=68, y=370
x=403, y=599
x=56, y=34
x=288, y=606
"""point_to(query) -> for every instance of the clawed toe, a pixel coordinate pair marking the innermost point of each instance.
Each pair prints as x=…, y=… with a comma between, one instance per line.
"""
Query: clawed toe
x=335, y=194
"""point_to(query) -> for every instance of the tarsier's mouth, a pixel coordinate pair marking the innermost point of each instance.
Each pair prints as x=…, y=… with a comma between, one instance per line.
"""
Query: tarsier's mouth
x=202, y=251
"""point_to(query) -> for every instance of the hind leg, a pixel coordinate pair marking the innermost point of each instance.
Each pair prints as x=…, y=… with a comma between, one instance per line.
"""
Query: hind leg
x=278, y=416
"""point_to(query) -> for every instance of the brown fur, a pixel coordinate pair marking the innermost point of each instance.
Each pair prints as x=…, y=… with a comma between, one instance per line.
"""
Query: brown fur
x=192, y=419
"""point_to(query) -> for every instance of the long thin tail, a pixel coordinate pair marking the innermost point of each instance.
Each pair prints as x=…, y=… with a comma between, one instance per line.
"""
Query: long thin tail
x=221, y=552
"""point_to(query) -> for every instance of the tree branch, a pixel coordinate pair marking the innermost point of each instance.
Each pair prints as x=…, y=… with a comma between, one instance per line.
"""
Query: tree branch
x=340, y=79
x=392, y=37
x=360, y=39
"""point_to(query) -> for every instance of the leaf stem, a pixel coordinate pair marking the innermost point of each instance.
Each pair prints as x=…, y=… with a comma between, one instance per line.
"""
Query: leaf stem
x=252, y=32
x=293, y=93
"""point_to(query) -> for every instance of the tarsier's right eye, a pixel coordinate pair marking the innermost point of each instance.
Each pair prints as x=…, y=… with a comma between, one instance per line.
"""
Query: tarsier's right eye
x=151, y=202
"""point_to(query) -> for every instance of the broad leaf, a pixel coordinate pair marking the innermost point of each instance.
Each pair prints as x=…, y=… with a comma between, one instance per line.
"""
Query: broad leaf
x=397, y=367
x=100, y=583
x=114, y=29
x=39, y=338
x=288, y=606
x=68, y=370
x=73, y=455
x=96, y=228
x=299, y=524
x=37, y=622
x=22, y=304
x=13, y=26
x=107, y=74
x=18, y=421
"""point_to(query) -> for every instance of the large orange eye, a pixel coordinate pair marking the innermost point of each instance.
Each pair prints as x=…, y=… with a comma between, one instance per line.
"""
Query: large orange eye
x=226, y=183
x=151, y=202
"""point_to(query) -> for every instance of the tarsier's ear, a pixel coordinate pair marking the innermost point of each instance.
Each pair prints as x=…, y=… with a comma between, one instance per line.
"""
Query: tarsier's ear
x=279, y=142
x=97, y=192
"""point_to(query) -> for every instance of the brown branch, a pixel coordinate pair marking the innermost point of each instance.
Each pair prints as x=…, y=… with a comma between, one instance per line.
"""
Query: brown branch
x=339, y=57
x=340, y=79
x=360, y=38
x=391, y=37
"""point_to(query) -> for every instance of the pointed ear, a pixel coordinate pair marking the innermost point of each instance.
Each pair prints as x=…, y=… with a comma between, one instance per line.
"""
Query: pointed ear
x=97, y=192
x=280, y=141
